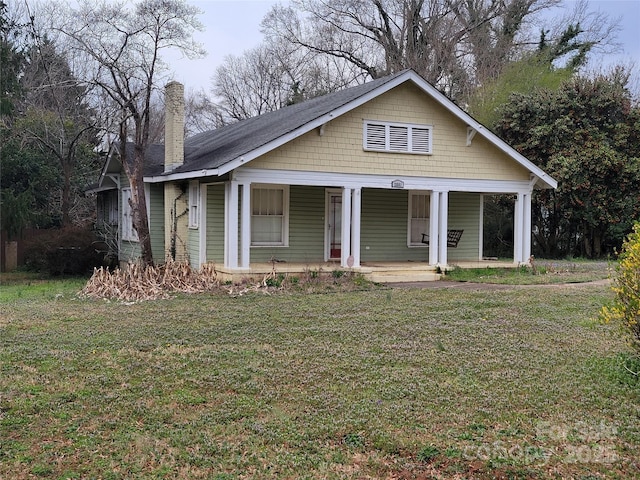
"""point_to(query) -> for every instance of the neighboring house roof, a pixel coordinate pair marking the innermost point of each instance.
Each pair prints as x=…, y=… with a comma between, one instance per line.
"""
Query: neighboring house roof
x=219, y=151
x=153, y=165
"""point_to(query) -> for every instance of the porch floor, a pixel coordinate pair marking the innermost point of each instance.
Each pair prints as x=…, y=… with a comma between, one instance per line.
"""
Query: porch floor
x=380, y=272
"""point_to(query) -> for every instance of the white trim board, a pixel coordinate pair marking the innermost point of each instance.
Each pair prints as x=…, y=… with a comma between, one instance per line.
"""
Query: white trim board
x=351, y=180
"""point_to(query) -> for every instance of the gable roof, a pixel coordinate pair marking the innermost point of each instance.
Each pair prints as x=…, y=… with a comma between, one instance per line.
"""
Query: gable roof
x=219, y=151
x=216, y=148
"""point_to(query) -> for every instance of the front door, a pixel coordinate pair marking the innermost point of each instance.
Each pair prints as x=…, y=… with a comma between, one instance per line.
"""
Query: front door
x=334, y=224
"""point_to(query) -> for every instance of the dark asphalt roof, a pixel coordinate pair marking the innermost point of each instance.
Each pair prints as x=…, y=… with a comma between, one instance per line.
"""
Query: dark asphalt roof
x=153, y=161
x=212, y=149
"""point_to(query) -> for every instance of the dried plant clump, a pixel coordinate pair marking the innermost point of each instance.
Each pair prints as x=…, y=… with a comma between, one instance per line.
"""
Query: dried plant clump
x=137, y=283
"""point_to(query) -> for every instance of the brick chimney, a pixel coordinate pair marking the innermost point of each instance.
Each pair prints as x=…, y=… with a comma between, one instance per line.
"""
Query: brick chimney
x=173, y=126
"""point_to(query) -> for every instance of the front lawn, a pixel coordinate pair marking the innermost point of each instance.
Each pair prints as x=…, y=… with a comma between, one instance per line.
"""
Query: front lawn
x=542, y=272
x=391, y=383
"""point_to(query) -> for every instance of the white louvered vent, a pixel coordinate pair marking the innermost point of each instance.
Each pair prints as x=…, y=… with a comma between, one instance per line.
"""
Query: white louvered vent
x=375, y=136
x=420, y=140
x=397, y=137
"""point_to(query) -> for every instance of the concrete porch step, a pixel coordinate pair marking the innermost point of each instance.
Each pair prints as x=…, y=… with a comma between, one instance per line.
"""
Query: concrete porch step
x=402, y=276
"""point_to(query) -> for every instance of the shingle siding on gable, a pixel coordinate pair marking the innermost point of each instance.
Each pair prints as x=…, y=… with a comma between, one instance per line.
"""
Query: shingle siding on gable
x=340, y=148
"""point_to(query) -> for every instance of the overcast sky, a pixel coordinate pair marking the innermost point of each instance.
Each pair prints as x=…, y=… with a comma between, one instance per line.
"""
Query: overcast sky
x=233, y=26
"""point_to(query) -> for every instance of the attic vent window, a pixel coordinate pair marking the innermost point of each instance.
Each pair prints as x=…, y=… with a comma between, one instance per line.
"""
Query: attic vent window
x=397, y=137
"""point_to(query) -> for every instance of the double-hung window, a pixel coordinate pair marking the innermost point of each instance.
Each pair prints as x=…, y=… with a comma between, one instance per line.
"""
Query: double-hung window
x=128, y=232
x=419, y=206
x=269, y=215
x=397, y=137
x=194, y=204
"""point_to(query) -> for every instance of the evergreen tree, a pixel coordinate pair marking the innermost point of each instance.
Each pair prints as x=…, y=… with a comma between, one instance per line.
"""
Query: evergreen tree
x=585, y=134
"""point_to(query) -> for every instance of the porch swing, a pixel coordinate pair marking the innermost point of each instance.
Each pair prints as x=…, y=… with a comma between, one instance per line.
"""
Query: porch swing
x=453, y=237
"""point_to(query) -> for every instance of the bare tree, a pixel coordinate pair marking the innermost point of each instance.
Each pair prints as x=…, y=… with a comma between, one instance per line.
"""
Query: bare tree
x=275, y=74
x=249, y=85
x=201, y=113
x=122, y=45
x=454, y=44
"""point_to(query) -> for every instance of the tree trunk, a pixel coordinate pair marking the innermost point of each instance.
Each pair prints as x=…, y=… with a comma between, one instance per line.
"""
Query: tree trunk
x=597, y=244
x=588, y=249
x=66, y=197
x=139, y=212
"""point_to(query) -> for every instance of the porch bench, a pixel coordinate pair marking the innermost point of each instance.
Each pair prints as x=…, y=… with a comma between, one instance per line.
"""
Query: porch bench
x=453, y=237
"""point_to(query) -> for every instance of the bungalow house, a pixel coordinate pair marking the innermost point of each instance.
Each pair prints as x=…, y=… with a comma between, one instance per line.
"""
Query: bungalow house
x=390, y=171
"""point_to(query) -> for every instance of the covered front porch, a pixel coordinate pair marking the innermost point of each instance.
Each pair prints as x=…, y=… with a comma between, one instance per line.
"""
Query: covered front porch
x=370, y=224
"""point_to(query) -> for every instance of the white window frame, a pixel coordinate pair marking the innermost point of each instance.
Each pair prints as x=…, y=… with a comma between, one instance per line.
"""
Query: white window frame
x=412, y=194
x=113, y=209
x=284, y=242
x=128, y=232
x=194, y=204
x=392, y=130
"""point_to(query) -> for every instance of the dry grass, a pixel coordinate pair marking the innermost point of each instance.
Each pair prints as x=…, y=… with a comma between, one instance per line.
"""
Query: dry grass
x=411, y=383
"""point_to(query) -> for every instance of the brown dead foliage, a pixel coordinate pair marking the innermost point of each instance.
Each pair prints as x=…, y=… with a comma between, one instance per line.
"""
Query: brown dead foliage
x=138, y=283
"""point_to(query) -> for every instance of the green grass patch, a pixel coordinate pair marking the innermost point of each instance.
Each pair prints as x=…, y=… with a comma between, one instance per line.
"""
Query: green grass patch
x=542, y=272
x=28, y=286
x=404, y=383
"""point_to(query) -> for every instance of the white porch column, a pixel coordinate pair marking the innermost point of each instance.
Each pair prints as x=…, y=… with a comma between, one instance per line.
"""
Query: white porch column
x=518, y=228
x=346, y=227
x=356, y=210
x=231, y=225
x=526, y=227
x=202, y=222
x=227, y=190
x=443, y=225
x=434, y=222
x=245, y=226
x=481, y=229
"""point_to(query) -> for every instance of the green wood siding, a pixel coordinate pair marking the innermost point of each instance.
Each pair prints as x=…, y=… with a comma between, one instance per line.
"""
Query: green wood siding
x=129, y=251
x=215, y=223
x=464, y=214
x=384, y=227
x=306, y=228
x=156, y=221
x=193, y=247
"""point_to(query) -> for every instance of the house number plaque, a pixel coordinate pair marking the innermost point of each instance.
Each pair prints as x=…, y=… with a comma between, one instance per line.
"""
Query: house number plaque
x=397, y=184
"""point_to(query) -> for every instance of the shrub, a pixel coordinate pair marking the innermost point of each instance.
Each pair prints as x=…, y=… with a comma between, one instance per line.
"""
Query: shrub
x=337, y=273
x=625, y=308
x=66, y=251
